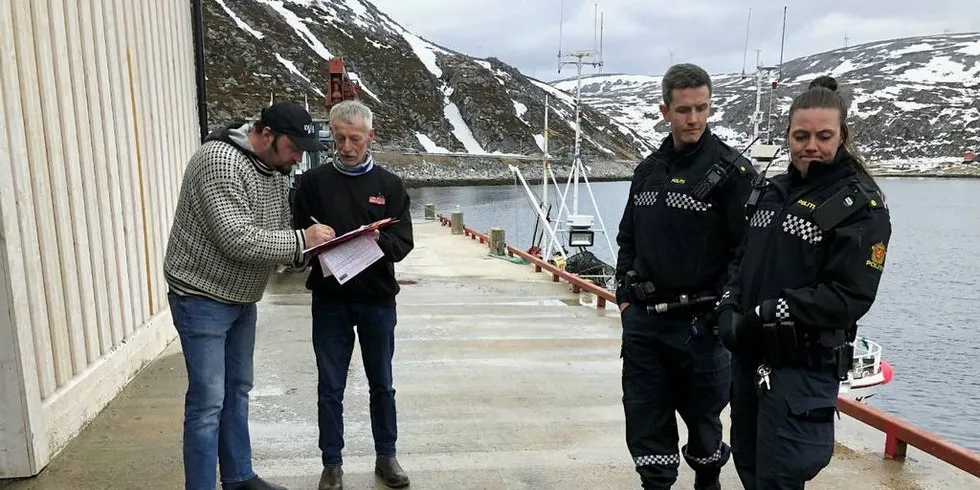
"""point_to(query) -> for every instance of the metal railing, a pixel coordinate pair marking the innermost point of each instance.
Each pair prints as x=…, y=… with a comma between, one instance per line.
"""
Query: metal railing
x=898, y=433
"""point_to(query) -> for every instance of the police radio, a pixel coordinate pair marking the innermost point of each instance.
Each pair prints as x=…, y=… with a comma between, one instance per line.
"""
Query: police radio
x=708, y=183
x=759, y=184
x=717, y=174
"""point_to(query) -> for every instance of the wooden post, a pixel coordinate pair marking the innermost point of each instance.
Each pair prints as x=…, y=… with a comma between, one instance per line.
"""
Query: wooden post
x=430, y=212
x=457, y=222
x=498, y=244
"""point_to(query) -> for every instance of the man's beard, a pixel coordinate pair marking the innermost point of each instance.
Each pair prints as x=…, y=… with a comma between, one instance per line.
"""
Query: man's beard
x=282, y=169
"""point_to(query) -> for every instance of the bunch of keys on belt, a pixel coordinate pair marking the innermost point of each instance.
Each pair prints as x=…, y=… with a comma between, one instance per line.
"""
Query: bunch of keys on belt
x=763, y=372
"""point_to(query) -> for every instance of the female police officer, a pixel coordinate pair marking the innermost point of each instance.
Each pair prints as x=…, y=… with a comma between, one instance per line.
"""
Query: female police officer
x=810, y=267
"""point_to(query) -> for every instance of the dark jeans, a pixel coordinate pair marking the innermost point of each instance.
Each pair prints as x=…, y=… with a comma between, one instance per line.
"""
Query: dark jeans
x=218, y=340
x=333, y=344
x=667, y=371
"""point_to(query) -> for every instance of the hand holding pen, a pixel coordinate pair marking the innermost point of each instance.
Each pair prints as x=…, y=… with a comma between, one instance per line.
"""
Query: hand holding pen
x=318, y=233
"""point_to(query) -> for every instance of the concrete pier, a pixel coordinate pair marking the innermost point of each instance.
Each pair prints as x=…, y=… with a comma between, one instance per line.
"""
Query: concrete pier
x=503, y=381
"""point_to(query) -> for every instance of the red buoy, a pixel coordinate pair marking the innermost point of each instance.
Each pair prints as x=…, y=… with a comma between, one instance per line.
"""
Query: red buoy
x=887, y=371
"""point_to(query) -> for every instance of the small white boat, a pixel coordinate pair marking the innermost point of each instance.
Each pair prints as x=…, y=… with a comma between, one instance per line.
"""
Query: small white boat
x=869, y=373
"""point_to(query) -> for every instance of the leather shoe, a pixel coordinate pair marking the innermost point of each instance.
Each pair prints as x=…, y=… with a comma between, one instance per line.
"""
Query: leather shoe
x=332, y=478
x=258, y=484
x=391, y=472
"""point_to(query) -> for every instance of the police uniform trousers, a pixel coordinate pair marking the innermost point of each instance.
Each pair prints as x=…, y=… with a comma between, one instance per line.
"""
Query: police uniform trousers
x=667, y=370
x=792, y=421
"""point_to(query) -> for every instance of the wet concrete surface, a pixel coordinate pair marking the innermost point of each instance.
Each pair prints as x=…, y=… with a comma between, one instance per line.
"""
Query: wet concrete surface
x=503, y=382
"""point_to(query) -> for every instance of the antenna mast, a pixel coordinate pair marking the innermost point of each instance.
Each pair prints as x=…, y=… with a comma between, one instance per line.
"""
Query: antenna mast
x=595, y=28
x=781, y=44
x=579, y=225
x=745, y=53
x=602, y=16
x=561, y=24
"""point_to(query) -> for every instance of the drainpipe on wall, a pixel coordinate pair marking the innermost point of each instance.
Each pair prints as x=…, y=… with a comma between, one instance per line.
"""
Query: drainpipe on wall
x=202, y=97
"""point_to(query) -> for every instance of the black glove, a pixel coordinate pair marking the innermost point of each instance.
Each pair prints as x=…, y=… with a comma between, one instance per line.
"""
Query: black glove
x=769, y=311
x=729, y=323
x=779, y=334
x=752, y=320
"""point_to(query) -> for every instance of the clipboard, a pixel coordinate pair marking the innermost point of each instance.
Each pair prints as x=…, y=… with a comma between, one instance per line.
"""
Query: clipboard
x=368, y=228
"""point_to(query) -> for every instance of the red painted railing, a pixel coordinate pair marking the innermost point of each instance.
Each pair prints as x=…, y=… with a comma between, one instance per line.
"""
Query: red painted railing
x=898, y=433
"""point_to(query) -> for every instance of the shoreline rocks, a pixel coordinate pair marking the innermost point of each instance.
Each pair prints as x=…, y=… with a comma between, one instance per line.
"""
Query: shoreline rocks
x=435, y=170
x=463, y=170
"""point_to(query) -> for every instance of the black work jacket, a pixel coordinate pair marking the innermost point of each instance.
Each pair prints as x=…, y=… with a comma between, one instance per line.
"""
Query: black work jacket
x=680, y=243
x=815, y=249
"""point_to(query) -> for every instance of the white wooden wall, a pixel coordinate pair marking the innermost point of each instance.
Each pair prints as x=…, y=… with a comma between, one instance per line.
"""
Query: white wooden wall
x=97, y=120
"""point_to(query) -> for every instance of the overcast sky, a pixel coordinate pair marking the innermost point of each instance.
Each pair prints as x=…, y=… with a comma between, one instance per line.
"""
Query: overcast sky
x=639, y=35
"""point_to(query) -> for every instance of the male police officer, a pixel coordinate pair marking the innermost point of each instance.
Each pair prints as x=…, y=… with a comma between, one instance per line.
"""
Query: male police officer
x=683, y=221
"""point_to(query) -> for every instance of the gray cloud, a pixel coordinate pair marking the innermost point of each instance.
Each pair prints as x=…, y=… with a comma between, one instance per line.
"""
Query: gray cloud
x=639, y=36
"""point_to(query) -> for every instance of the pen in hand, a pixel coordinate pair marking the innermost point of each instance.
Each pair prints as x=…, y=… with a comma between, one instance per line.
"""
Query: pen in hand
x=330, y=234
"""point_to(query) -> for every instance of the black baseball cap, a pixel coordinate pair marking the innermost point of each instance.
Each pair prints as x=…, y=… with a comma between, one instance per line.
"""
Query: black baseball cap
x=291, y=119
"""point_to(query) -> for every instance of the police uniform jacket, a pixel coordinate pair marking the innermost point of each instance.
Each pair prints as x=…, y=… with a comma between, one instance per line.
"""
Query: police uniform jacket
x=681, y=243
x=815, y=250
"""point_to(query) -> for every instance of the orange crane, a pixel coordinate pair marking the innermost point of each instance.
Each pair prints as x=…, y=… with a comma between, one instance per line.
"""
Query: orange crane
x=339, y=85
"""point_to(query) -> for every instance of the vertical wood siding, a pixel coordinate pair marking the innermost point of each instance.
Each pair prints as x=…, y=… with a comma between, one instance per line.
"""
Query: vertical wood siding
x=97, y=121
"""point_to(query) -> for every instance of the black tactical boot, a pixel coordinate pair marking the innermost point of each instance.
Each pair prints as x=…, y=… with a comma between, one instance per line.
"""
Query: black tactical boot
x=707, y=481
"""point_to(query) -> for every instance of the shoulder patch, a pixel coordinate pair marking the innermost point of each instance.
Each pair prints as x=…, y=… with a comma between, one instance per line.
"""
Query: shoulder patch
x=877, y=259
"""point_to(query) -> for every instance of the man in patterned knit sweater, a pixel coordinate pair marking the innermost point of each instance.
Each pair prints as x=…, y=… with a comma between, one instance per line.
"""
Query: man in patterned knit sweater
x=231, y=229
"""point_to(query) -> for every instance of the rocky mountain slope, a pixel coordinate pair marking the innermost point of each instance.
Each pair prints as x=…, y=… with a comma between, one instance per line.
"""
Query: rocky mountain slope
x=910, y=99
x=427, y=98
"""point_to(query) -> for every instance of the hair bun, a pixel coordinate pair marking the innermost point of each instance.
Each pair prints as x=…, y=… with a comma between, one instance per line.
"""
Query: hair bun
x=825, y=81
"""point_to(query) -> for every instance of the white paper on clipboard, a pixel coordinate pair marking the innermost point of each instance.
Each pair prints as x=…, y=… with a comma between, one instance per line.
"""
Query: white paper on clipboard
x=348, y=259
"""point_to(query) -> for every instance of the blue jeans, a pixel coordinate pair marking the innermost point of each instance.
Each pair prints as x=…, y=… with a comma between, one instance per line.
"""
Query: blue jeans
x=333, y=344
x=218, y=340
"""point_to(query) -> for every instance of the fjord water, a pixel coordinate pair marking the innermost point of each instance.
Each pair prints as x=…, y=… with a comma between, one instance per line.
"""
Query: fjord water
x=927, y=315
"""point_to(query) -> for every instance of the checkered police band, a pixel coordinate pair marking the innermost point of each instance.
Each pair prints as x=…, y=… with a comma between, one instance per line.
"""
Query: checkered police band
x=645, y=198
x=761, y=218
x=782, y=309
x=672, y=460
x=806, y=230
x=684, y=201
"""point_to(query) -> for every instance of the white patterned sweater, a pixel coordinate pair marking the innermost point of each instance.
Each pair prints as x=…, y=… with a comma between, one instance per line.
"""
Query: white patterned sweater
x=232, y=223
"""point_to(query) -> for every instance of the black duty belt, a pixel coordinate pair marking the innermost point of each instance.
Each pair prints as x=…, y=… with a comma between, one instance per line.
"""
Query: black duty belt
x=786, y=344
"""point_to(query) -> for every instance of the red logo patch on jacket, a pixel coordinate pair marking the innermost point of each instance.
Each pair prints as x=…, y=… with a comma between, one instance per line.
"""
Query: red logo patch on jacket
x=379, y=200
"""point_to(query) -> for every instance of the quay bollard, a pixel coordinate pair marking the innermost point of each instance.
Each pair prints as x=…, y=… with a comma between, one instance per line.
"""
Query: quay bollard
x=430, y=212
x=498, y=244
x=457, y=222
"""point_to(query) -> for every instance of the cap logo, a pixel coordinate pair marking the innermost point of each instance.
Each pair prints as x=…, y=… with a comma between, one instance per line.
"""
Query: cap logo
x=309, y=129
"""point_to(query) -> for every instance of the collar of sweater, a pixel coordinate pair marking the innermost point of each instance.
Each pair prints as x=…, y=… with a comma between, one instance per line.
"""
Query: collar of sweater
x=354, y=171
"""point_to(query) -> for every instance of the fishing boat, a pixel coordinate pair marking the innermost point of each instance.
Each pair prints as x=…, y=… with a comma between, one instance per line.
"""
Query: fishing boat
x=868, y=373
